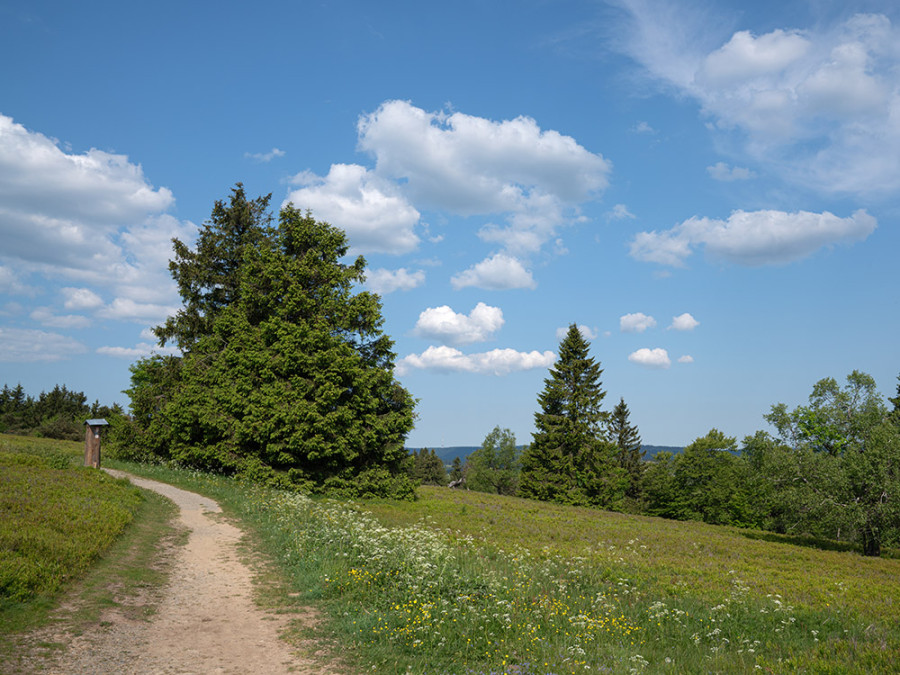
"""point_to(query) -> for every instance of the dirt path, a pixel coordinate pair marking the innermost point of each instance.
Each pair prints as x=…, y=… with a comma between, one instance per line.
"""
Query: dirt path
x=206, y=621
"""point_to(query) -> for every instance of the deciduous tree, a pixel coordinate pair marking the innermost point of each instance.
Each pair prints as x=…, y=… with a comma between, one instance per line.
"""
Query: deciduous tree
x=494, y=467
x=840, y=473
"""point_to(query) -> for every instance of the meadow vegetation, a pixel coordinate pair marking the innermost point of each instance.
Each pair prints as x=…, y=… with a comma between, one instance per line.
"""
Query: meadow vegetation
x=56, y=518
x=467, y=582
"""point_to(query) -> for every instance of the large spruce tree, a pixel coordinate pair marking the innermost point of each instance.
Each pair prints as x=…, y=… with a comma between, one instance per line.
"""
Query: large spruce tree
x=570, y=460
x=285, y=375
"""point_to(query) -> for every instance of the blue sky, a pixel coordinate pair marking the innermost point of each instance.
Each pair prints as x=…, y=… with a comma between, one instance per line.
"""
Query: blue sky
x=708, y=189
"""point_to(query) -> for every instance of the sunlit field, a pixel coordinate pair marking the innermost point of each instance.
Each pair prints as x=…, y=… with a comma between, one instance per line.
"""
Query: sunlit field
x=464, y=582
x=55, y=518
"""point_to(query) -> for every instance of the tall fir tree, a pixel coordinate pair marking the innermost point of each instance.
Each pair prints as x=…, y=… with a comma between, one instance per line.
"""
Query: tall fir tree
x=570, y=461
x=627, y=440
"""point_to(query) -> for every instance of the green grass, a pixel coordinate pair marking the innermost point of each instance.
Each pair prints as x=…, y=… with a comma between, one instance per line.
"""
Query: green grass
x=56, y=518
x=73, y=534
x=463, y=582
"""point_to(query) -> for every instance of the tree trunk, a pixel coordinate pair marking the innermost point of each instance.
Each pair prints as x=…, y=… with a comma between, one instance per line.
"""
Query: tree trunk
x=871, y=545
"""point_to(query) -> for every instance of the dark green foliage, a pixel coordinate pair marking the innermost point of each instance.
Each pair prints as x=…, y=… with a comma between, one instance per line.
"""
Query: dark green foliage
x=569, y=460
x=895, y=401
x=658, y=486
x=209, y=278
x=286, y=376
x=706, y=481
x=710, y=483
x=427, y=468
x=627, y=439
x=494, y=467
x=59, y=413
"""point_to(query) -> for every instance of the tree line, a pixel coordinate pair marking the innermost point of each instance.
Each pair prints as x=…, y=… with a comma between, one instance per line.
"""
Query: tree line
x=59, y=413
x=831, y=469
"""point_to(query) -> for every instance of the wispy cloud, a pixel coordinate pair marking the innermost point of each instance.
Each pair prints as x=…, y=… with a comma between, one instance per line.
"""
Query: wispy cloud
x=265, y=157
x=722, y=172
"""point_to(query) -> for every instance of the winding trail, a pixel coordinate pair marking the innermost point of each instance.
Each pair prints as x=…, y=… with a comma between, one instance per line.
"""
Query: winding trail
x=206, y=621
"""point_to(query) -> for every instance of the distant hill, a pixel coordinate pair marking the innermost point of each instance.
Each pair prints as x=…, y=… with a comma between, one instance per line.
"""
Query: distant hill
x=463, y=451
x=650, y=451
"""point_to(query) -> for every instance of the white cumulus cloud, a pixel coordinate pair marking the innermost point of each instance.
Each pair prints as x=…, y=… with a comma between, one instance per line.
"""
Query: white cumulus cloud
x=89, y=219
x=46, y=317
x=496, y=362
x=684, y=322
x=470, y=165
x=371, y=210
x=445, y=325
x=81, y=298
x=687, y=358
x=497, y=273
x=752, y=238
x=651, y=358
x=384, y=281
x=636, y=323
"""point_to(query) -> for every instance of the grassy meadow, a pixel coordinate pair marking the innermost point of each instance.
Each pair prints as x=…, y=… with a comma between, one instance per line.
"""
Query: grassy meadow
x=56, y=519
x=465, y=582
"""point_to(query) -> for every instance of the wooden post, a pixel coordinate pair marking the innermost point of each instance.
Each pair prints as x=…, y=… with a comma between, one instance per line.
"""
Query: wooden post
x=92, y=442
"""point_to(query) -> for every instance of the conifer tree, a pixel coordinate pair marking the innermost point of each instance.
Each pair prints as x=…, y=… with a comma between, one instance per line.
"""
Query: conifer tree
x=428, y=468
x=895, y=412
x=627, y=440
x=456, y=469
x=286, y=376
x=209, y=277
x=570, y=461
